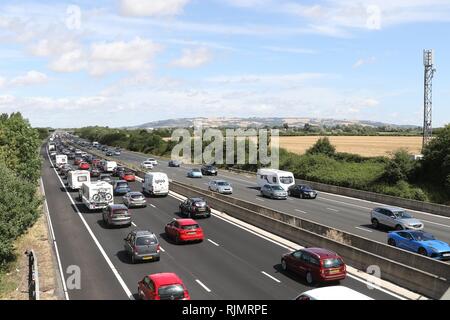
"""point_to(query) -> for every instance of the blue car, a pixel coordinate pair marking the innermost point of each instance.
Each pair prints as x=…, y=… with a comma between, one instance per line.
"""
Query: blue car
x=121, y=187
x=420, y=242
x=194, y=173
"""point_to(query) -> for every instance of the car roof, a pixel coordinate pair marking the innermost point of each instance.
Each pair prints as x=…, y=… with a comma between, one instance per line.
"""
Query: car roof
x=165, y=278
x=185, y=222
x=217, y=181
x=321, y=252
x=335, y=293
x=135, y=193
x=141, y=232
x=391, y=208
x=122, y=181
x=117, y=206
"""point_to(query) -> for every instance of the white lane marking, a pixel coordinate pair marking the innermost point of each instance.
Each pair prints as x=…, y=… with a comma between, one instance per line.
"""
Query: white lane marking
x=52, y=233
x=300, y=211
x=204, y=287
x=375, y=287
x=259, y=199
x=134, y=224
x=214, y=243
x=439, y=224
x=152, y=205
x=161, y=248
x=99, y=246
x=363, y=229
x=268, y=275
x=331, y=209
x=346, y=203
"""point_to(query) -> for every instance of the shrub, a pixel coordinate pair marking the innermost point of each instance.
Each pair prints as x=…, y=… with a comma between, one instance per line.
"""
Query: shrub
x=322, y=146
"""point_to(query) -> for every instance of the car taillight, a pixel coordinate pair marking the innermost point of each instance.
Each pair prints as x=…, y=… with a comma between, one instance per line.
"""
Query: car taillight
x=157, y=248
x=134, y=249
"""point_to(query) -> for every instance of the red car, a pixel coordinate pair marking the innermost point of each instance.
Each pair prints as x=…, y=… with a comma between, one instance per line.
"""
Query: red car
x=127, y=176
x=315, y=264
x=181, y=230
x=162, y=286
x=84, y=166
x=77, y=161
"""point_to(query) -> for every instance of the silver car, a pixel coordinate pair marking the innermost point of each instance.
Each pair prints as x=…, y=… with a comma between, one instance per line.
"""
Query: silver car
x=274, y=192
x=142, y=245
x=134, y=199
x=394, y=217
x=116, y=215
x=220, y=186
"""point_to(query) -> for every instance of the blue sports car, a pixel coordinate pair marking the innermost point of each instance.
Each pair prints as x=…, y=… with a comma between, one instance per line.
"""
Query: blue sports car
x=420, y=242
x=194, y=173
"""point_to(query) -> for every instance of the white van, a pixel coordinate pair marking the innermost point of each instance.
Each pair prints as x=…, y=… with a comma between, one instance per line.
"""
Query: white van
x=51, y=146
x=109, y=166
x=156, y=183
x=76, y=178
x=95, y=144
x=60, y=159
x=275, y=177
x=96, y=195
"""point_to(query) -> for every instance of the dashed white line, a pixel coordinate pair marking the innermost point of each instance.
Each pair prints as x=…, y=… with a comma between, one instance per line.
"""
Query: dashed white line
x=161, y=248
x=271, y=277
x=201, y=284
x=152, y=205
x=363, y=229
x=214, y=243
x=298, y=210
x=259, y=199
x=134, y=224
x=332, y=209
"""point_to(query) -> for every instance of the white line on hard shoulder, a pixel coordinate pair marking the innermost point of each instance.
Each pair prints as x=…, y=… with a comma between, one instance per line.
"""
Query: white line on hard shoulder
x=271, y=277
x=363, y=229
x=201, y=284
x=214, y=243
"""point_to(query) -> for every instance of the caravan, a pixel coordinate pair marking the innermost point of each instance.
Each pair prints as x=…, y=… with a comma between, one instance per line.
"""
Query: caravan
x=60, y=159
x=96, y=195
x=275, y=177
x=76, y=178
x=156, y=183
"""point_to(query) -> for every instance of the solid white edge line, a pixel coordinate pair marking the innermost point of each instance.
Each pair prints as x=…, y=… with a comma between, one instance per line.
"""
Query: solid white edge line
x=201, y=284
x=271, y=277
x=214, y=243
x=99, y=246
x=363, y=229
x=52, y=233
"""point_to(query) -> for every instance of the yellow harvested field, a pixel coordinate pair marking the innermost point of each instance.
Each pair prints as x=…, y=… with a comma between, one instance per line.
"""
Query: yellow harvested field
x=369, y=146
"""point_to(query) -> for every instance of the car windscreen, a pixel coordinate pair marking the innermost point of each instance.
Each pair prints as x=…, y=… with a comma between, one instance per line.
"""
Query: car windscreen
x=171, y=292
x=223, y=183
x=277, y=188
x=122, y=185
x=190, y=227
x=286, y=180
x=146, y=241
x=422, y=236
x=332, y=263
x=137, y=196
x=402, y=214
x=195, y=170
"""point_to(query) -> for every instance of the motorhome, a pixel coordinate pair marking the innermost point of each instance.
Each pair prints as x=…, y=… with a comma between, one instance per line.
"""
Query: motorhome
x=96, y=194
x=51, y=146
x=275, y=177
x=109, y=166
x=60, y=159
x=156, y=183
x=76, y=178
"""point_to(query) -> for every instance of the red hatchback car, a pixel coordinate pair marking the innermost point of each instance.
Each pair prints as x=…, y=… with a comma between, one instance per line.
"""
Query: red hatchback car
x=181, y=230
x=315, y=264
x=84, y=166
x=127, y=176
x=162, y=286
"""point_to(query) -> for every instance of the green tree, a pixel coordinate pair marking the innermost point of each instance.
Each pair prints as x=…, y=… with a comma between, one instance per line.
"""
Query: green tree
x=322, y=146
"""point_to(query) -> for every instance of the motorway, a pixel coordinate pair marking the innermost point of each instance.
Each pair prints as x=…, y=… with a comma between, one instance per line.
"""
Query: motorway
x=234, y=262
x=344, y=213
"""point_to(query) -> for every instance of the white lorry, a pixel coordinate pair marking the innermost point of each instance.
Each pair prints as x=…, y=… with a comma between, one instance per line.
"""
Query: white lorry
x=109, y=166
x=156, y=183
x=75, y=179
x=275, y=177
x=96, y=195
x=60, y=159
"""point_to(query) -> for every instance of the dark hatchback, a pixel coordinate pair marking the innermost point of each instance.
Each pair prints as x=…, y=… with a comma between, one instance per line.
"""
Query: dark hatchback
x=302, y=191
x=195, y=207
x=209, y=170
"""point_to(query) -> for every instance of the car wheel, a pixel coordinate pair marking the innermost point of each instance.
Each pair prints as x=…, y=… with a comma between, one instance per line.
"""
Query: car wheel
x=177, y=239
x=300, y=195
x=284, y=265
x=398, y=227
x=309, y=278
x=133, y=260
x=375, y=223
x=391, y=242
x=422, y=251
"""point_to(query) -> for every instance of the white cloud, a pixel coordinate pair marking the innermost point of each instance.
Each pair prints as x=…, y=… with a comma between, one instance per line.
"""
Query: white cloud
x=363, y=61
x=152, y=7
x=193, y=58
x=71, y=61
x=278, y=79
x=30, y=78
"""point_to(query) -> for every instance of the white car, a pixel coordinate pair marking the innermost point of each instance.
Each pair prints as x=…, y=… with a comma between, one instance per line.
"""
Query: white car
x=153, y=161
x=146, y=165
x=332, y=293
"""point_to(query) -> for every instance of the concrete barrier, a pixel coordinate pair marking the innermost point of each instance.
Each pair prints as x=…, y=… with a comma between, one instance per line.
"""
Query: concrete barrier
x=434, y=208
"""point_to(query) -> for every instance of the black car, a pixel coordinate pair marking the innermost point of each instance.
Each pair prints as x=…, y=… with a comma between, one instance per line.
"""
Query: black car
x=209, y=170
x=109, y=153
x=71, y=156
x=195, y=207
x=118, y=170
x=302, y=191
x=95, y=172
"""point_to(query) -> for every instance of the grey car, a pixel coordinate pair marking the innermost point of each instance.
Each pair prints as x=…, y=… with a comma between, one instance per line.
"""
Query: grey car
x=106, y=177
x=116, y=215
x=394, y=217
x=274, y=192
x=220, y=186
x=134, y=199
x=142, y=245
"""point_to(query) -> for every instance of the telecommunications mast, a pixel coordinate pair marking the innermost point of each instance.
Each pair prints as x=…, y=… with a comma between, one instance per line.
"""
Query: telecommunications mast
x=427, y=97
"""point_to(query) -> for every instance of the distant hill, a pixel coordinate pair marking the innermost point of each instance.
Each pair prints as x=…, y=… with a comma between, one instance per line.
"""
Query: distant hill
x=256, y=122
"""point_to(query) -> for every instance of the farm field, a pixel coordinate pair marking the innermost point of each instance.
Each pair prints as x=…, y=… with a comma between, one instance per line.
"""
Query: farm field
x=369, y=146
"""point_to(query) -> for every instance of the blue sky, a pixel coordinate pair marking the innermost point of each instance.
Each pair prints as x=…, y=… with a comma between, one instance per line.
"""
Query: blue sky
x=126, y=62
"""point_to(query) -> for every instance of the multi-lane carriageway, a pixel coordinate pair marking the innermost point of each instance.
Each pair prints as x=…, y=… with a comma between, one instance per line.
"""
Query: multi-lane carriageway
x=236, y=261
